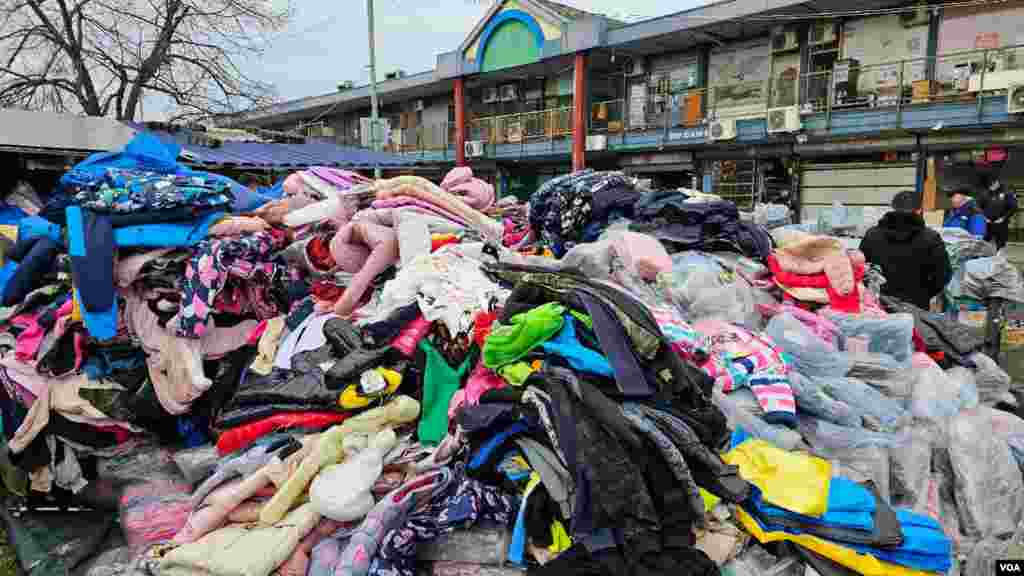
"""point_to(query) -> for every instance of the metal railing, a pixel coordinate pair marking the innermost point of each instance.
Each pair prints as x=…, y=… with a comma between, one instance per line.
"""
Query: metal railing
x=961, y=77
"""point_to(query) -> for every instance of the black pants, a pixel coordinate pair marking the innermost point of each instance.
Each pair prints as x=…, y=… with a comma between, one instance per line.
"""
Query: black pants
x=998, y=234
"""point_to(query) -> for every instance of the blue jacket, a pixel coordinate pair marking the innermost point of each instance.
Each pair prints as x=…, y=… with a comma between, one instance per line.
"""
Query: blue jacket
x=968, y=217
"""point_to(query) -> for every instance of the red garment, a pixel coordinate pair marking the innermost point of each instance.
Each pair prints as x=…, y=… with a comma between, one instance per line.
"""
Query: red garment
x=849, y=303
x=409, y=338
x=791, y=280
x=326, y=291
x=319, y=252
x=439, y=241
x=257, y=333
x=241, y=437
x=482, y=326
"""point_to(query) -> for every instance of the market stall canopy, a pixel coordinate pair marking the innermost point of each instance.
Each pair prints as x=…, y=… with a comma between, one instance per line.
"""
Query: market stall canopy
x=275, y=156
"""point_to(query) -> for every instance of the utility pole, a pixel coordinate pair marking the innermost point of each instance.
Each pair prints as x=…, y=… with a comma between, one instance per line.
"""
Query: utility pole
x=375, y=127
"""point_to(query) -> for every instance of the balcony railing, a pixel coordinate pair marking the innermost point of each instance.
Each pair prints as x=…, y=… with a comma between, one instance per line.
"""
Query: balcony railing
x=892, y=88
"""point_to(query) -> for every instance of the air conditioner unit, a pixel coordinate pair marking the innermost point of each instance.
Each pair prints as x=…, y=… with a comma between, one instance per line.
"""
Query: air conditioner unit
x=509, y=92
x=784, y=41
x=1015, y=99
x=418, y=106
x=782, y=120
x=1000, y=80
x=914, y=18
x=824, y=33
x=597, y=142
x=474, y=149
x=635, y=67
x=722, y=129
x=491, y=95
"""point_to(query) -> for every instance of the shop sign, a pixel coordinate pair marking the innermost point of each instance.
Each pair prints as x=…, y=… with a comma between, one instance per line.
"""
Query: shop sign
x=689, y=134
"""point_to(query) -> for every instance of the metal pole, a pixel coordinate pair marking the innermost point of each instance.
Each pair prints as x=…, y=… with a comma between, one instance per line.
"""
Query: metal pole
x=981, y=84
x=374, y=124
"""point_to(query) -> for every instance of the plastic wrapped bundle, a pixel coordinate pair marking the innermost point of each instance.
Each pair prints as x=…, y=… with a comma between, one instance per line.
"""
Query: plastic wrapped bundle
x=878, y=411
x=989, y=487
x=812, y=399
x=937, y=396
x=705, y=290
x=913, y=485
x=993, y=382
x=196, y=464
x=892, y=336
x=822, y=435
x=154, y=512
x=811, y=356
x=481, y=545
x=739, y=417
x=864, y=464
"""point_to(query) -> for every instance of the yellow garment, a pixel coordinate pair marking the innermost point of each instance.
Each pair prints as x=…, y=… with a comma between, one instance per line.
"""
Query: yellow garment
x=267, y=346
x=350, y=398
x=11, y=232
x=860, y=563
x=710, y=500
x=76, y=307
x=560, y=541
x=795, y=482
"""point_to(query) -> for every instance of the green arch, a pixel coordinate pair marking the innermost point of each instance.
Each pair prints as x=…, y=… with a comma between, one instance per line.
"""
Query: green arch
x=512, y=43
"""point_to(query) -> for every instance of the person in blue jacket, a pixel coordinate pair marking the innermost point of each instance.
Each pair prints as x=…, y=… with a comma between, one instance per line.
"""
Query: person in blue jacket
x=965, y=213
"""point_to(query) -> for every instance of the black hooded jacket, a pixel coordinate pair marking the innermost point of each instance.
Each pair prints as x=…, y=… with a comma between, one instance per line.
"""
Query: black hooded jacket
x=912, y=257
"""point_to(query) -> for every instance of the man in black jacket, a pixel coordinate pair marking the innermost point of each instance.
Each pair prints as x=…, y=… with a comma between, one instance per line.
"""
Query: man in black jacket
x=912, y=257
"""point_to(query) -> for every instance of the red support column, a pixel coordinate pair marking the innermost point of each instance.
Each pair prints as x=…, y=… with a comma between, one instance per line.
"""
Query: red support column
x=460, y=123
x=579, y=113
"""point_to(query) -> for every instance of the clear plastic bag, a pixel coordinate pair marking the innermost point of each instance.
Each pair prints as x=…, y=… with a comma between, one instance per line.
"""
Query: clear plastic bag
x=739, y=417
x=913, y=485
x=989, y=487
x=878, y=412
x=812, y=399
x=966, y=385
x=936, y=396
x=704, y=289
x=196, y=464
x=867, y=463
x=823, y=435
x=992, y=381
x=481, y=545
x=879, y=372
x=154, y=512
x=892, y=336
x=811, y=356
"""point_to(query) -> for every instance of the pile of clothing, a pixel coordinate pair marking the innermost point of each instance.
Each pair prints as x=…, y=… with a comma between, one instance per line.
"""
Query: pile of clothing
x=818, y=269
x=397, y=377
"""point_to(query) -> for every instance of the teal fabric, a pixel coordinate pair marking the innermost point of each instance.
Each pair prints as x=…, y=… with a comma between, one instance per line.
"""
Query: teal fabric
x=440, y=382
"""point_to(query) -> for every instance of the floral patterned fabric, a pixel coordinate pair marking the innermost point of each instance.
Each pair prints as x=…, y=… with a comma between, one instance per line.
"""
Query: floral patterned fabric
x=213, y=263
x=132, y=191
x=561, y=209
x=463, y=503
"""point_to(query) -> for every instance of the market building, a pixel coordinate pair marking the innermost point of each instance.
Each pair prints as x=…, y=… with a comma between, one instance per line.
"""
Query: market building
x=811, y=102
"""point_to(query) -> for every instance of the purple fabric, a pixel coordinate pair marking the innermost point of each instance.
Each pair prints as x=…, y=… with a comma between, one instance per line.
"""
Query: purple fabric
x=342, y=179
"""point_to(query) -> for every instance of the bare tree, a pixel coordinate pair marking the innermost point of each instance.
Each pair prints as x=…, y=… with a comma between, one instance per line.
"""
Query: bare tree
x=101, y=57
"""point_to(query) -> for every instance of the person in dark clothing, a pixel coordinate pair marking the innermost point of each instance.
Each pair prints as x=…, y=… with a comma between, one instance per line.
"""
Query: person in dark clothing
x=912, y=257
x=999, y=206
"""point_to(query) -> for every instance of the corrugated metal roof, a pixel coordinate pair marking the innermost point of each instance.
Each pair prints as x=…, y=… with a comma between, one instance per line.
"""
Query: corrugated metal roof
x=286, y=156
x=258, y=155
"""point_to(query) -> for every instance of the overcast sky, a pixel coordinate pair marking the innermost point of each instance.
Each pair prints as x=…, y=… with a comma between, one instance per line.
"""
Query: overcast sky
x=326, y=42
